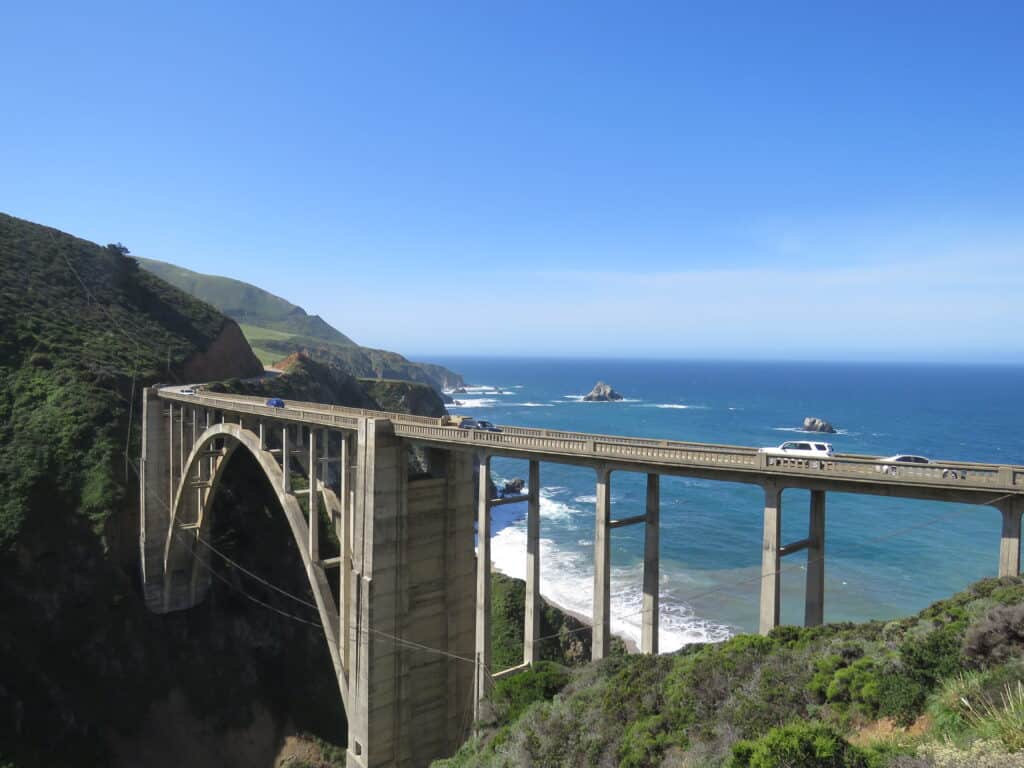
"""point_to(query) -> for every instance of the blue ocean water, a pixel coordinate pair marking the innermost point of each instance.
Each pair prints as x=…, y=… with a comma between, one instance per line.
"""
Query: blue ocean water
x=711, y=531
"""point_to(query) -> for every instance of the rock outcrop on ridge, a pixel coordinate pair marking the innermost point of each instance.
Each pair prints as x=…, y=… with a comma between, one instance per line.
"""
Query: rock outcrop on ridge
x=602, y=393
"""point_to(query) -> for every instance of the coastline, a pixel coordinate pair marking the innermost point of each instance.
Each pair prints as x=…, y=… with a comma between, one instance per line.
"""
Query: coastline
x=631, y=645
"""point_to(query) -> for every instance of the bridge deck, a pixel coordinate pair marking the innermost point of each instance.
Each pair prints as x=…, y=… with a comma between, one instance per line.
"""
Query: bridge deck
x=967, y=482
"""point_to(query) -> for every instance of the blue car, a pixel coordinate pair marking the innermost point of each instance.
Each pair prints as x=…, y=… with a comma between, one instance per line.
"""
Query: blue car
x=275, y=402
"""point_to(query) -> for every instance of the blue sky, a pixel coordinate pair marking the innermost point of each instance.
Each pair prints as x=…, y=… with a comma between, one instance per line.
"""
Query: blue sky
x=797, y=180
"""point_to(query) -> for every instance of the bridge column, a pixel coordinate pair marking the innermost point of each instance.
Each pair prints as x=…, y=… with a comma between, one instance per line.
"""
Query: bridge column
x=770, y=558
x=649, y=630
x=814, y=600
x=531, y=631
x=374, y=712
x=286, y=452
x=601, y=638
x=1009, y=543
x=483, y=586
x=314, y=497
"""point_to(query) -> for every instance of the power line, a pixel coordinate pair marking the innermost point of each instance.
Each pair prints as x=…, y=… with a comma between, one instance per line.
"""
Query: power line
x=253, y=598
x=252, y=575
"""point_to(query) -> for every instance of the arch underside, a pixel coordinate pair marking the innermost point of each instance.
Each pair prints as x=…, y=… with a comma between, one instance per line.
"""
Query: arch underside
x=186, y=568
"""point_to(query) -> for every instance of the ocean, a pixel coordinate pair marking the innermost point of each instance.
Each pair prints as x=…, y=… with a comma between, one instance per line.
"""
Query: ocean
x=884, y=557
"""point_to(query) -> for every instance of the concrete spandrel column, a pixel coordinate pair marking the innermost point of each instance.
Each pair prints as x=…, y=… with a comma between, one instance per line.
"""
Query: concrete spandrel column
x=531, y=631
x=314, y=500
x=770, y=558
x=483, y=584
x=602, y=568
x=343, y=531
x=814, y=600
x=286, y=451
x=649, y=629
x=1009, y=542
x=170, y=454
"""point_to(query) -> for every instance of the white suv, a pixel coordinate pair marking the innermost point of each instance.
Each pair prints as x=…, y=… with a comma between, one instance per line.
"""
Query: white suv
x=802, y=448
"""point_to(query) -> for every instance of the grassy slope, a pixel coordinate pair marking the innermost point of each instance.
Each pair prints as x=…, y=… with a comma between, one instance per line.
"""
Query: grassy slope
x=276, y=328
x=246, y=303
x=788, y=699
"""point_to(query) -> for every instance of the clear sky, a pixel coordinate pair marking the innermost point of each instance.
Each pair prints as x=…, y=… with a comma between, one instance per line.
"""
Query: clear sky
x=808, y=180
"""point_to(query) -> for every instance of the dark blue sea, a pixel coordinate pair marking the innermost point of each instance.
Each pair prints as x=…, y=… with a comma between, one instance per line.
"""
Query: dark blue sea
x=711, y=531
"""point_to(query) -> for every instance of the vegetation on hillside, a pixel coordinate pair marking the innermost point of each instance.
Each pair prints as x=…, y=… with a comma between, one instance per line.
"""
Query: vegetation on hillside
x=83, y=328
x=277, y=328
x=945, y=686
x=89, y=676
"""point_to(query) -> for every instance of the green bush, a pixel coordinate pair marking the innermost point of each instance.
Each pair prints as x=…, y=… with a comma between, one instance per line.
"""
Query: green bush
x=512, y=695
x=798, y=745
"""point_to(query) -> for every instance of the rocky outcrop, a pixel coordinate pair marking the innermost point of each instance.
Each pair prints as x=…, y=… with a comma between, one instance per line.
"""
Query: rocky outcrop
x=227, y=355
x=513, y=487
x=602, y=393
x=814, y=424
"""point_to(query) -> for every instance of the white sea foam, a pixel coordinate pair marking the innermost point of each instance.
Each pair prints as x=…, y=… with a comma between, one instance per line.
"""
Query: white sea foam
x=590, y=498
x=530, y=405
x=567, y=580
x=475, y=402
x=678, y=406
x=579, y=399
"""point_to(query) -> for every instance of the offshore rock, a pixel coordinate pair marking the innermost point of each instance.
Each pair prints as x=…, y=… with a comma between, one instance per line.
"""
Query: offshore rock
x=814, y=424
x=602, y=393
x=513, y=487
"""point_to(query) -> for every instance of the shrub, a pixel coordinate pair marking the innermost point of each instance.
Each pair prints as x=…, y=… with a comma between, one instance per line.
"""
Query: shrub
x=512, y=695
x=997, y=638
x=798, y=745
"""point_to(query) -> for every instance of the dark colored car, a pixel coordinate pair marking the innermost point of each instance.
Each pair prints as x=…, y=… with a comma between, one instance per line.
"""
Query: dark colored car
x=275, y=402
x=487, y=426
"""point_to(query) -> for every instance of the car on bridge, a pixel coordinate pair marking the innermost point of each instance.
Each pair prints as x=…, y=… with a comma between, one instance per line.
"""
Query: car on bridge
x=799, y=449
x=487, y=426
x=275, y=402
x=895, y=465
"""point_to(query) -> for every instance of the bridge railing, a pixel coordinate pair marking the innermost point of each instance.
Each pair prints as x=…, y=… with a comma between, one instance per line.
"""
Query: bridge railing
x=867, y=467
x=641, y=450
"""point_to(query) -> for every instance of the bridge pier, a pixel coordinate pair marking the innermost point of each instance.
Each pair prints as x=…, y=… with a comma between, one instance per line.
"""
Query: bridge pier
x=1009, y=542
x=601, y=631
x=482, y=648
x=531, y=631
x=770, y=558
x=814, y=596
x=773, y=551
x=411, y=682
x=649, y=629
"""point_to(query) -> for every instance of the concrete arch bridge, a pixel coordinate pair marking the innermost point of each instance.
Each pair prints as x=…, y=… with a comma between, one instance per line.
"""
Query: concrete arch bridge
x=403, y=594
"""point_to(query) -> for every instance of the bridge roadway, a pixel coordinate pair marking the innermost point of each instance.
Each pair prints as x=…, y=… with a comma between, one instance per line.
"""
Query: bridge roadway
x=955, y=481
x=409, y=614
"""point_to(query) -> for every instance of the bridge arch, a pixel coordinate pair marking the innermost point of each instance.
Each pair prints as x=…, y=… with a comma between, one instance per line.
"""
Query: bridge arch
x=185, y=568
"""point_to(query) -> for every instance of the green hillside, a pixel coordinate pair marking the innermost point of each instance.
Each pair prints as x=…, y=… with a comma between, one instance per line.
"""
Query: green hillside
x=276, y=329
x=246, y=303
x=942, y=689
